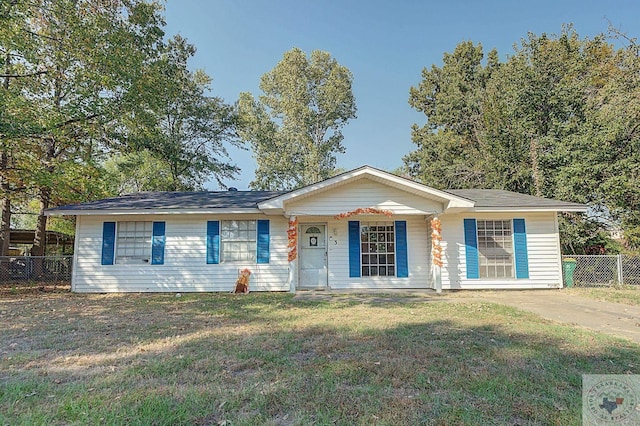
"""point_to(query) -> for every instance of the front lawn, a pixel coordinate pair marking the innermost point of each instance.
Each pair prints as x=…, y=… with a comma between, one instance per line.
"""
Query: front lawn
x=269, y=359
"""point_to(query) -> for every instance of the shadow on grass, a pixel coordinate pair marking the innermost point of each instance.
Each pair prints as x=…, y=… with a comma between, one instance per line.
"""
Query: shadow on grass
x=265, y=359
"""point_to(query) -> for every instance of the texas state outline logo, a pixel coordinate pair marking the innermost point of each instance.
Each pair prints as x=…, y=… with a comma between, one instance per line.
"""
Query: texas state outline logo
x=610, y=399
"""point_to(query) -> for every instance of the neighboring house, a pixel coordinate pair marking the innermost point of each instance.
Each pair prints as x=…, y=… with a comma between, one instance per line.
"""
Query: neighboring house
x=363, y=229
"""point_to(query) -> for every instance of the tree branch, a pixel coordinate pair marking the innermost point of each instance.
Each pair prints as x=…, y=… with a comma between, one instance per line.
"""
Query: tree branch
x=41, y=35
x=76, y=120
x=33, y=74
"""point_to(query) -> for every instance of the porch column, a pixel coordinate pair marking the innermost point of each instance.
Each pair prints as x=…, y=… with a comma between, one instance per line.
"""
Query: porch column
x=436, y=252
x=292, y=247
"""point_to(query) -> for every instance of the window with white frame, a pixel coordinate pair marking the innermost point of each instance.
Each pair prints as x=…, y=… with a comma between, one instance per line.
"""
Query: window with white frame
x=495, y=248
x=378, y=249
x=238, y=240
x=133, y=242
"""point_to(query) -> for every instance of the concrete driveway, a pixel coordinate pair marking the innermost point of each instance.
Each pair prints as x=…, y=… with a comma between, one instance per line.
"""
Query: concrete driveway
x=607, y=317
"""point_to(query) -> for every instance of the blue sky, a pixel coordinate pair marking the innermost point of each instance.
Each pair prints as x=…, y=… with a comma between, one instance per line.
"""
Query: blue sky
x=385, y=44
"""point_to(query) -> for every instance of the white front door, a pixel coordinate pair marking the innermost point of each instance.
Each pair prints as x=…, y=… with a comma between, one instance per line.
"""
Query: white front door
x=313, y=271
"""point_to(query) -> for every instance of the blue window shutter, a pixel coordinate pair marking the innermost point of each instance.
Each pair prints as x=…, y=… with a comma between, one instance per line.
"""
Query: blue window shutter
x=263, y=242
x=471, y=248
x=108, y=242
x=402, y=263
x=520, y=248
x=157, y=244
x=213, y=242
x=354, y=248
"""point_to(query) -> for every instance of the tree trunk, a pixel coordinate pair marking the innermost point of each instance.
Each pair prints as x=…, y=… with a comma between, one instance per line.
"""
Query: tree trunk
x=39, y=240
x=535, y=167
x=5, y=201
x=5, y=206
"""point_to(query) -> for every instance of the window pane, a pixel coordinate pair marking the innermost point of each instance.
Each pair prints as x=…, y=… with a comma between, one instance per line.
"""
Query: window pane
x=133, y=242
x=495, y=248
x=238, y=240
x=378, y=248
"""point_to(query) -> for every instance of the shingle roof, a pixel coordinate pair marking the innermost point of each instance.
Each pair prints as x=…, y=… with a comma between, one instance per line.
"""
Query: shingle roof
x=176, y=200
x=498, y=198
x=202, y=201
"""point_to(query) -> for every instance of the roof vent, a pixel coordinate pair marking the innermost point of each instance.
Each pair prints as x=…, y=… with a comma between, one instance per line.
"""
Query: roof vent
x=232, y=189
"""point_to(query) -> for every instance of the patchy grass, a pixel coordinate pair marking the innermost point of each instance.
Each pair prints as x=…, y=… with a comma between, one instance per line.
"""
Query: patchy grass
x=629, y=295
x=33, y=287
x=210, y=359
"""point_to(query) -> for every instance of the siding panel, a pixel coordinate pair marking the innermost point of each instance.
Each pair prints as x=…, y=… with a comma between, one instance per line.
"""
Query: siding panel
x=542, y=244
x=360, y=194
x=185, y=265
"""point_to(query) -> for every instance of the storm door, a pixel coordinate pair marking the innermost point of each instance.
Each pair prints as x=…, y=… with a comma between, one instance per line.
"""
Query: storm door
x=313, y=271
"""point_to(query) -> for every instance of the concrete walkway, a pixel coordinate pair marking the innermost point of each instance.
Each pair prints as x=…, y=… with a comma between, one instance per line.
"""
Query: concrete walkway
x=612, y=318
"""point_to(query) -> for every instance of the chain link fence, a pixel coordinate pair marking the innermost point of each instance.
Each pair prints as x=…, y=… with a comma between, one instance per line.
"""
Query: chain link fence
x=15, y=269
x=600, y=270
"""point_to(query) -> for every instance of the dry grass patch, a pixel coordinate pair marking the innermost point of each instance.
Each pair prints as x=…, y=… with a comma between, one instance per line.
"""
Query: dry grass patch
x=30, y=288
x=629, y=295
x=268, y=359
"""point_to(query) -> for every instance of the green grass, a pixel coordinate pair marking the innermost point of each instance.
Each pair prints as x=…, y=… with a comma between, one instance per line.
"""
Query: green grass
x=270, y=359
x=629, y=295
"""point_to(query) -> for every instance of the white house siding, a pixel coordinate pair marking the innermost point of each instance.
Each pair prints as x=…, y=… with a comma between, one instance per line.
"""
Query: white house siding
x=418, y=248
x=361, y=194
x=543, y=248
x=185, y=268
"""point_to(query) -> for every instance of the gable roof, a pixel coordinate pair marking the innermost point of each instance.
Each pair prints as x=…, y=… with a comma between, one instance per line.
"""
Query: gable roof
x=276, y=204
x=171, y=202
x=501, y=200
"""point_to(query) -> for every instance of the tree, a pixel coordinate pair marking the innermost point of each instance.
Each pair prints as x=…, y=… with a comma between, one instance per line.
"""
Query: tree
x=181, y=129
x=606, y=157
x=86, y=79
x=73, y=77
x=136, y=172
x=295, y=126
x=451, y=148
x=558, y=118
x=17, y=48
x=91, y=50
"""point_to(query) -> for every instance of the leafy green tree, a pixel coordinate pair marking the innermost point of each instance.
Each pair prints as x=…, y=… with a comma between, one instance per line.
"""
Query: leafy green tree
x=185, y=130
x=558, y=118
x=451, y=147
x=604, y=165
x=83, y=80
x=90, y=49
x=136, y=172
x=295, y=126
x=75, y=74
x=17, y=48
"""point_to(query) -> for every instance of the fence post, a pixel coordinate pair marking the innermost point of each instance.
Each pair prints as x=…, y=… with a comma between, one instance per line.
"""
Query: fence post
x=620, y=275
